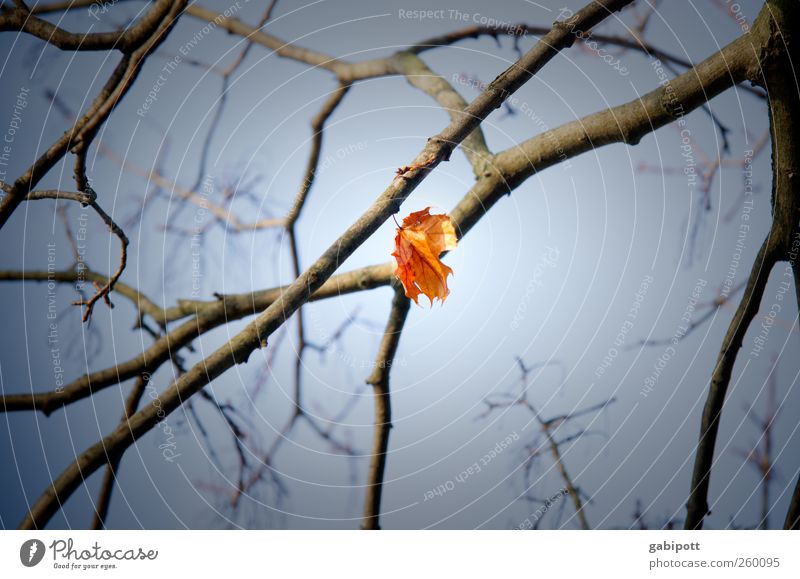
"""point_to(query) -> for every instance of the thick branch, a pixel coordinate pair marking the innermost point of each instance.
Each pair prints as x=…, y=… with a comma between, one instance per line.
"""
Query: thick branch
x=125, y=41
x=775, y=25
x=697, y=506
x=383, y=408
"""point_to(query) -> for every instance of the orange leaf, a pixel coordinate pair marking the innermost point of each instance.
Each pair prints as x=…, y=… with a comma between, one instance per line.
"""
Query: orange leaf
x=418, y=245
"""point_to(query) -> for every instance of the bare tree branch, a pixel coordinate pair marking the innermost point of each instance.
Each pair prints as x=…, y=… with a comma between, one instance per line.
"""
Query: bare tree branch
x=697, y=506
x=379, y=379
x=344, y=71
x=126, y=41
x=780, y=244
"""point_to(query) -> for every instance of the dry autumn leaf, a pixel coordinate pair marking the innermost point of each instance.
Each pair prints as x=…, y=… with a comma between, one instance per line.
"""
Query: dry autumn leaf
x=419, y=242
